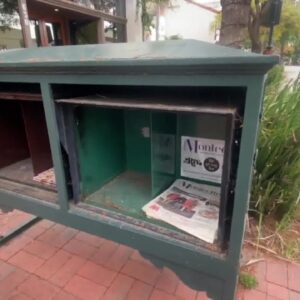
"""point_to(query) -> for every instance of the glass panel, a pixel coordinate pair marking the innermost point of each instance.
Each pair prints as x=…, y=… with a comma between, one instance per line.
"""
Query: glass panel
x=83, y=33
x=163, y=143
x=114, y=32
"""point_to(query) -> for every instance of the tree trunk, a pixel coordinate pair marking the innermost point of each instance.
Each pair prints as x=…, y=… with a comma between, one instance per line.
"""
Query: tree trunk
x=234, y=26
x=143, y=16
x=157, y=22
x=254, y=32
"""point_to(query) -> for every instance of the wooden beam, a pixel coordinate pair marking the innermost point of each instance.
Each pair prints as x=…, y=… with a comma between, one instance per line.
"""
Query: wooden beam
x=20, y=96
x=66, y=34
x=206, y=7
x=100, y=31
x=71, y=6
x=43, y=33
x=25, y=23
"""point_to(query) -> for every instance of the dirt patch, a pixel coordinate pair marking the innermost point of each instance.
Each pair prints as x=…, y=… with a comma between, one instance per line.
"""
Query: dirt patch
x=280, y=243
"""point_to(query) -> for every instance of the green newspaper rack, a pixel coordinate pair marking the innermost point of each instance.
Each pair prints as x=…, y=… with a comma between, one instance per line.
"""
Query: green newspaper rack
x=119, y=123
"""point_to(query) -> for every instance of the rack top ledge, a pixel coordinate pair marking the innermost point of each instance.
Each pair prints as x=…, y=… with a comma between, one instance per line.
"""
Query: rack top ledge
x=171, y=53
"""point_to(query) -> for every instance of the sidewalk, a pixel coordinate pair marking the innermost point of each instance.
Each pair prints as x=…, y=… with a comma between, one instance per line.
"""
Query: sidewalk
x=51, y=261
x=10, y=220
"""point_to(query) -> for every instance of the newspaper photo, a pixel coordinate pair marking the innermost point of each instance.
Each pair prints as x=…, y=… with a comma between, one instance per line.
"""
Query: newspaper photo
x=189, y=206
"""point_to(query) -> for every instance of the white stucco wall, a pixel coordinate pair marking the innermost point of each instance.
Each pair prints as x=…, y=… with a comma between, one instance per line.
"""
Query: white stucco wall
x=186, y=20
x=189, y=21
x=11, y=39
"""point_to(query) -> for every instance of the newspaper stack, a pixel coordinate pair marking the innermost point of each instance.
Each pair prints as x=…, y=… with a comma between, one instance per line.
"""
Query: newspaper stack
x=46, y=177
x=189, y=206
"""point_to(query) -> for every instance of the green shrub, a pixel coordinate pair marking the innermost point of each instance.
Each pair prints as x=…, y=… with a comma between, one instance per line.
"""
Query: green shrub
x=276, y=184
x=247, y=280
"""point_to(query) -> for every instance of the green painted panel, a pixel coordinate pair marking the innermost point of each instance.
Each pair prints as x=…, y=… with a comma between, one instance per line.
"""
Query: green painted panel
x=199, y=64
x=127, y=193
x=137, y=139
x=209, y=126
x=101, y=146
x=162, y=53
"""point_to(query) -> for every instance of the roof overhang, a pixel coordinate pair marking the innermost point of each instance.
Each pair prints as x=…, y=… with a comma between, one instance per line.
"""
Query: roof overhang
x=67, y=9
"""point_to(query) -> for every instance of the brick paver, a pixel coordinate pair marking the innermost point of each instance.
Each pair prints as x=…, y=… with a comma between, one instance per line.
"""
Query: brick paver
x=37, y=288
x=10, y=220
x=119, y=258
x=67, y=271
x=260, y=273
x=40, y=249
x=106, y=250
x=97, y=273
x=18, y=296
x=254, y=295
x=89, y=239
x=85, y=289
x=277, y=272
x=294, y=295
x=26, y=261
x=5, y=270
x=14, y=246
x=10, y=283
x=294, y=277
x=161, y=295
x=79, y=248
x=51, y=261
x=52, y=265
x=146, y=273
x=120, y=288
x=62, y=295
x=139, y=291
x=57, y=236
x=202, y=296
x=167, y=281
x=185, y=292
x=278, y=291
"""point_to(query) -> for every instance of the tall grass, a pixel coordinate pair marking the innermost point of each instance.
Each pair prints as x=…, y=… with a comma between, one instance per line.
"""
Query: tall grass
x=276, y=182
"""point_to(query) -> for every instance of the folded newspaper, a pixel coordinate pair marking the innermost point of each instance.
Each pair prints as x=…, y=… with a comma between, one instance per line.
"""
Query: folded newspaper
x=189, y=206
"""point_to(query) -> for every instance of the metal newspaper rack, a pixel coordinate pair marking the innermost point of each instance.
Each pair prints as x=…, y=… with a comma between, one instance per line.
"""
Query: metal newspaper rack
x=125, y=123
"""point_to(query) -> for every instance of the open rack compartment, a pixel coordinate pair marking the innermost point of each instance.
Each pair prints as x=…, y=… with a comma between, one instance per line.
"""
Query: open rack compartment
x=24, y=143
x=123, y=151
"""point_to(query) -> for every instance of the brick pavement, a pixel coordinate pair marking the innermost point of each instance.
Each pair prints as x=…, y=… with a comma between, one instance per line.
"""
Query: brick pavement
x=51, y=261
x=11, y=220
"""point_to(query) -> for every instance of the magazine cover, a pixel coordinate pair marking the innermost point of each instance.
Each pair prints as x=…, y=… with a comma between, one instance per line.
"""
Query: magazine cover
x=202, y=158
x=189, y=206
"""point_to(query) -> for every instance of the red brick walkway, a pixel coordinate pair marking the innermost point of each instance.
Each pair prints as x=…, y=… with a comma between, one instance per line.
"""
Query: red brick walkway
x=11, y=220
x=51, y=261
x=278, y=280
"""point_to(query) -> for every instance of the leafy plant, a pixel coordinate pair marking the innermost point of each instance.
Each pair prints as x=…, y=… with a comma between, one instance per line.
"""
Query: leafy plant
x=247, y=280
x=147, y=10
x=292, y=250
x=276, y=182
x=9, y=14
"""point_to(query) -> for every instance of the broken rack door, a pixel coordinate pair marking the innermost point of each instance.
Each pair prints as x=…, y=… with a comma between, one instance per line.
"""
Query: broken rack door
x=113, y=146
